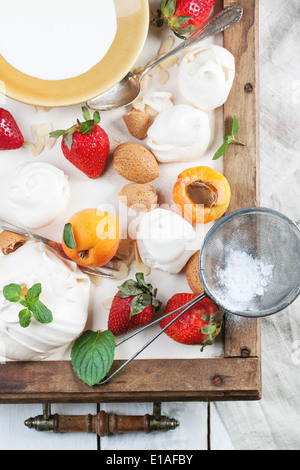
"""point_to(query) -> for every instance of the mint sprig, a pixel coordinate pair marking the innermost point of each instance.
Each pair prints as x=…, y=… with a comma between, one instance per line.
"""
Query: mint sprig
x=92, y=356
x=33, y=306
x=229, y=139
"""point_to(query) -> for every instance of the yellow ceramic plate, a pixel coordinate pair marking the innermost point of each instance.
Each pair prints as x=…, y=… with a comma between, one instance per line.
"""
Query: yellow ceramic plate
x=133, y=23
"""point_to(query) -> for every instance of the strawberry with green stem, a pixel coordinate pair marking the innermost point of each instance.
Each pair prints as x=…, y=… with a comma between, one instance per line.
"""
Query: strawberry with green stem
x=182, y=16
x=133, y=306
x=198, y=326
x=86, y=145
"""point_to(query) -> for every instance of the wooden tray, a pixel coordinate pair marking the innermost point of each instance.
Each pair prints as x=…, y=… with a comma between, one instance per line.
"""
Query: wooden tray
x=237, y=375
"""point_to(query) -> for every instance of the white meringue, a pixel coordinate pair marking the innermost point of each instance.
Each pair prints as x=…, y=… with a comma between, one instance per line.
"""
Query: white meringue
x=205, y=77
x=179, y=133
x=165, y=240
x=38, y=194
x=65, y=291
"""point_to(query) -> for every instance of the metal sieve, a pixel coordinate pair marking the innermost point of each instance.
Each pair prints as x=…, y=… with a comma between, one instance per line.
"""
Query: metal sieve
x=262, y=235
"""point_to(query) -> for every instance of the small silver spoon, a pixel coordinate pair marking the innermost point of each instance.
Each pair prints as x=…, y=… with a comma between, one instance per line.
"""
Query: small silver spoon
x=129, y=88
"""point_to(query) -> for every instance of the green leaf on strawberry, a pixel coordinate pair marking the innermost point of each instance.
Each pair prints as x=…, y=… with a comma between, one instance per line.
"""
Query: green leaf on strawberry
x=92, y=356
x=133, y=306
x=85, y=128
x=182, y=16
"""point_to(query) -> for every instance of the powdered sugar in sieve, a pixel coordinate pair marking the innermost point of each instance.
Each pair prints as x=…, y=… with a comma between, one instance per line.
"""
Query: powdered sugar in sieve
x=243, y=279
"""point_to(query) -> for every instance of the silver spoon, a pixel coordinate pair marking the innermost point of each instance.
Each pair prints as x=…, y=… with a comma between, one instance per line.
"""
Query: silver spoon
x=129, y=88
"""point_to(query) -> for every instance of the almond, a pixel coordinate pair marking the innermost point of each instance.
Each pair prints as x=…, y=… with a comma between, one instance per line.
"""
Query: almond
x=10, y=242
x=135, y=163
x=140, y=197
x=137, y=123
x=192, y=274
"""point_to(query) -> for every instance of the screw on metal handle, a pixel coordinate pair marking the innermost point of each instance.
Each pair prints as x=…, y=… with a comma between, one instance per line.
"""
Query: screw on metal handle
x=224, y=20
x=186, y=307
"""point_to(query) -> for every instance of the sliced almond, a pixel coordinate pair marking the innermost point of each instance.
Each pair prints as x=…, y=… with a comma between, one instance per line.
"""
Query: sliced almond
x=107, y=303
x=122, y=272
x=145, y=83
x=163, y=77
x=50, y=142
x=42, y=130
x=138, y=263
x=170, y=62
x=167, y=45
x=152, y=112
x=95, y=279
x=155, y=71
x=138, y=104
x=38, y=147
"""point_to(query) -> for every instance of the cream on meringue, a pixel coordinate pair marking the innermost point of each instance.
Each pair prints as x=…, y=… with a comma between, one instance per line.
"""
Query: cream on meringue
x=165, y=240
x=180, y=133
x=65, y=291
x=205, y=77
x=38, y=194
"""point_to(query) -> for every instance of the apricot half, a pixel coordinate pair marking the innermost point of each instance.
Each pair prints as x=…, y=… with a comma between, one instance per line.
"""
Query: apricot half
x=91, y=238
x=202, y=194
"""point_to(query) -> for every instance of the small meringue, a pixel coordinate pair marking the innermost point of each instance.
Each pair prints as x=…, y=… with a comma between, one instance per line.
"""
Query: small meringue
x=38, y=194
x=205, y=77
x=165, y=240
x=180, y=133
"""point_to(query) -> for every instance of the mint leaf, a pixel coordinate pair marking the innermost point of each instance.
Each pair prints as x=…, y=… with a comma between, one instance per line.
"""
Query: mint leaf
x=34, y=293
x=221, y=151
x=235, y=125
x=92, y=356
x=12, y=293
x=229, y=139
x=69, y=238
x=25, y=318
x=40, y=312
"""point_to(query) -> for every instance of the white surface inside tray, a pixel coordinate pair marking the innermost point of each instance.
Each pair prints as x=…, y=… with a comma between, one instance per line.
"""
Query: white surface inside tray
x=86, y=193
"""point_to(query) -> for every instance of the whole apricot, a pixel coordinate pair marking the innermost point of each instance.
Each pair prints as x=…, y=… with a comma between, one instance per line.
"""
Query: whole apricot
x=202, y=194
x=91, y=237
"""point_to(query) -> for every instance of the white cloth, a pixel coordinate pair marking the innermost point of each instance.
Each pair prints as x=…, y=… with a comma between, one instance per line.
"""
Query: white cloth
x=274, y=422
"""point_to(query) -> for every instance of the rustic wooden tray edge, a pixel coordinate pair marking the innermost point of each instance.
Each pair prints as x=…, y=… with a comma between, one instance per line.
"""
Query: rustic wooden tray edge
x=237, y=376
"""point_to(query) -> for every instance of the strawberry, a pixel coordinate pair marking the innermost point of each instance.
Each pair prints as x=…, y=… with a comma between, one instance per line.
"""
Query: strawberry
x=11, y=137
x=183, y=16
x=85, y=145
x=133, y=306
x=199, y=325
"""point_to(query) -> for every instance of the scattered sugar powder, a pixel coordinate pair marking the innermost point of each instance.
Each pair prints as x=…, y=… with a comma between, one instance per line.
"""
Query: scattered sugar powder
x=244, y=279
